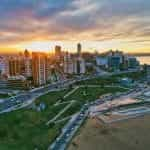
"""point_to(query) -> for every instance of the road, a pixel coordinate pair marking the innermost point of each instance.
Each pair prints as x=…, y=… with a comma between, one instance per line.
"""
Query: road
x=69, y=130
x=26, y=98
x=75, y=123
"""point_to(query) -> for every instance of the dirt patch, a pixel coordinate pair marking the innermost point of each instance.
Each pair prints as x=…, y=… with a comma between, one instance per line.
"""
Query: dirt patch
x=132, y=134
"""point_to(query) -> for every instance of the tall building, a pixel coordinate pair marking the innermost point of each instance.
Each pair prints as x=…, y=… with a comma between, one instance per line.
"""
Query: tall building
x=147, y=69
x=26, y=65
x=20, y=66
x=26, y=53
x=14, y=66
x=39, y=68
x=48, y=68
x=58, y=52
x=4, y=66
x=68, y=64
x=117, y=60
x=102, y=61
x=74, y=65
x=79, y=66
x=132, y=62
x=114, y=62
x=79, y=49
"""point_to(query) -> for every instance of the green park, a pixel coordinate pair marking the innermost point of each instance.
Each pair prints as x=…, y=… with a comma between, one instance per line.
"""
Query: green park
x=33, y=128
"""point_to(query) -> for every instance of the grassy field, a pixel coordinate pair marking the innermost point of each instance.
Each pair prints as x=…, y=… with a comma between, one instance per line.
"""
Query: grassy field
x=26, y=130
x=127, y=135
x=113, y=79
x=91, y=95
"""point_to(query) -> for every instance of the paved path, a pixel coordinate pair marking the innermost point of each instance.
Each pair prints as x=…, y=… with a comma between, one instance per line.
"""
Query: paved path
x=70, y=102
x=60, y=113
x=96, y=86
x=63, y=119
x=71, y=92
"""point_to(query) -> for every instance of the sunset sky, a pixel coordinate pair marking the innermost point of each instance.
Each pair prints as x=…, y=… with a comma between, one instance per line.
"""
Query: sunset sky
x=97, y=24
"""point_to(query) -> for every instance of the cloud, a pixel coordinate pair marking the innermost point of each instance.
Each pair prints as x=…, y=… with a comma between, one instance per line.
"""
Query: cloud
x=97, y=20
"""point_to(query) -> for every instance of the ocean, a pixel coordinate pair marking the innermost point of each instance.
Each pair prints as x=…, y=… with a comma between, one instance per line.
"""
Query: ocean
x=144, y=60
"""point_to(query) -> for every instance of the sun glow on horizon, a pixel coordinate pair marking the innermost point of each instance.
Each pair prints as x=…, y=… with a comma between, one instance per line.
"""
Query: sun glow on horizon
x=71, y=46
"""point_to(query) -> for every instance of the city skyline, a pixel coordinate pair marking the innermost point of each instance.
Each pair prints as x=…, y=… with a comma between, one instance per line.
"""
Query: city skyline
x=74, y=74
x=97, y=25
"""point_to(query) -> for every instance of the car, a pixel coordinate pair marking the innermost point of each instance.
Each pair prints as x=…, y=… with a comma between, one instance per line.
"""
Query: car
x=67, y=135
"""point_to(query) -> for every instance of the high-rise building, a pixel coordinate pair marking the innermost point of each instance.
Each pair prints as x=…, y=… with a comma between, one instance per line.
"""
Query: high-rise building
x=14, y=66
x=79, y=66
x=74, y=65
x=26, y=53
x=68, y=64
x=148, y=72
x=114, y=62
x=48, y=68
x=132, y=62
x=79, y=49
x=39, y=68
x=4, y=66
x=20, y=66
x=27, y=66
x=58, y=52
x=102, y=61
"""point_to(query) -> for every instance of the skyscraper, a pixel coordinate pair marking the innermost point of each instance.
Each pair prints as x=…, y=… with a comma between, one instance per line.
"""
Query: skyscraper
x=39, y=68
x=27, y=63
x=26, y=53
x=4, y=66
x=68, y=64
x=58, y=52
x=74, y=65
x=79, y=49
x=79, y=66
x=14, y=66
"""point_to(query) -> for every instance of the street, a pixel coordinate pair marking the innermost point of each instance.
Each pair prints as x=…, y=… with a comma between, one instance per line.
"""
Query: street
x=25, y=99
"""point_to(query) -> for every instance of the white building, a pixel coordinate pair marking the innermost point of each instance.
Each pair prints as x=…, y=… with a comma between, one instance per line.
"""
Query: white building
x=74, y=65
x=79, y=64
x=4, y=67
x=28, y=67
x=102, y=61
x=68, y=64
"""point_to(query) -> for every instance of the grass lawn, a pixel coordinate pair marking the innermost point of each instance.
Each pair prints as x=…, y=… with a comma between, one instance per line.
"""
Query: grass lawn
x=113, y=79
x=25, y=129
x=92, y=94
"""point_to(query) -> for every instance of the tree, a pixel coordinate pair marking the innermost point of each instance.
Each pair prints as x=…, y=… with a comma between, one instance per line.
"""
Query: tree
x=145, y=68
x=30, y=78
x=3, y=133
x=61, y=98
x=52, y=124
x=70, y=87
